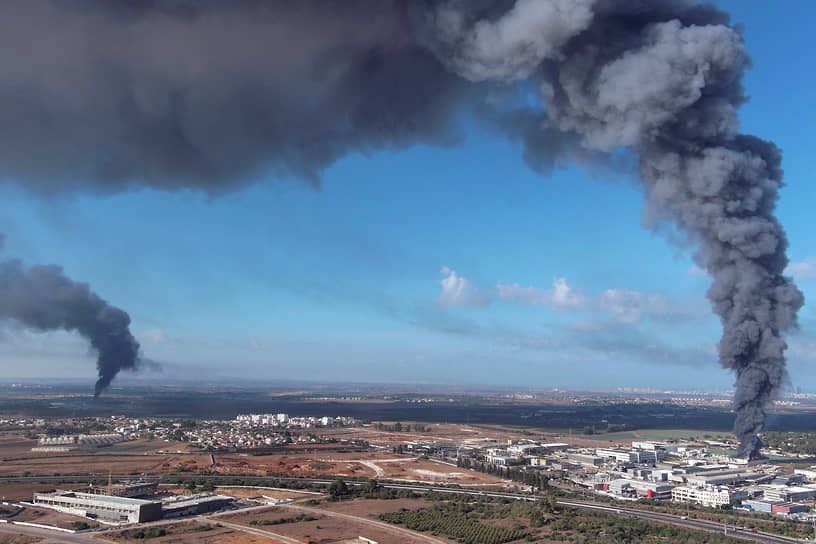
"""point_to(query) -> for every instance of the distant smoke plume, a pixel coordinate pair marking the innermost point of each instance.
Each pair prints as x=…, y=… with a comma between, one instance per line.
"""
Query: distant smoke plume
x=209, y=95
x=44, y=299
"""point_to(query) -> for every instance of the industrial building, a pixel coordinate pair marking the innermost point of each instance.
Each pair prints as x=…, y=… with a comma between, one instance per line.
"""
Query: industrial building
x=775, y=507
x=808, y=473
x=185, y=505
x=74, y=442
x=788, y=494
x=126, y=489
x=713, y=497
x=631, y=456
x=636, y=488
x=726, y=477
x=103, y=507
x=584, y=459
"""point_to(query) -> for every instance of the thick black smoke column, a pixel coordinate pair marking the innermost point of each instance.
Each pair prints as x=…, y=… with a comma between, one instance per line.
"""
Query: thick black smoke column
x=663, y=78
x=209, y=95
x=44, y=299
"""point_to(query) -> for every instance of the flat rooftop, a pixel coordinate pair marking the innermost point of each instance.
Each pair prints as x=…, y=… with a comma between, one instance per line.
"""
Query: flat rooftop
x=93, y=497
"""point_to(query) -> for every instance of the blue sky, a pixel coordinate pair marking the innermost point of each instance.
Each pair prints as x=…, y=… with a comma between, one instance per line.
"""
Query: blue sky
x=456, y=265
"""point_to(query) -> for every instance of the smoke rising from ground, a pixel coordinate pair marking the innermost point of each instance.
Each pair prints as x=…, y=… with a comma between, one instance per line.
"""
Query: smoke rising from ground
x=42, y=298
x=209, y=95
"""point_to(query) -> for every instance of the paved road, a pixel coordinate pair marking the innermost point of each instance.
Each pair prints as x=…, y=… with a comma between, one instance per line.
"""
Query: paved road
x=378, y=524
x=698, y=524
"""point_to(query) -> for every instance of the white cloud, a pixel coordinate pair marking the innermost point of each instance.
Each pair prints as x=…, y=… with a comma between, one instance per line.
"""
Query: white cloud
x=696, y=272
x=622, y=305
x=458, y=291
x=152, y=336
x=803, y=270
x=630, y=307
x=561, y=297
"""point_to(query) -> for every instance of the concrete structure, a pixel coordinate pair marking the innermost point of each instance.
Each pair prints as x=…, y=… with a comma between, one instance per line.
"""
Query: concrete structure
x=187, y=505
x=788, y=494
x=501, y=460
x=555, y=445
x=631, y=456
x=713, y=497
x=809, y=473
x=649, y=445
x=759, y=506
x=127, y=489
x=722, y=477
x=637, y=488
x=788, y=508
x=583, y=459
x=103, y=507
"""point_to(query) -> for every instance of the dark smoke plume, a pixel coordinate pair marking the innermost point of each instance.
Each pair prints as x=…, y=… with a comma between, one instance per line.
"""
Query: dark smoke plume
x=44, y=299
x=209, y=95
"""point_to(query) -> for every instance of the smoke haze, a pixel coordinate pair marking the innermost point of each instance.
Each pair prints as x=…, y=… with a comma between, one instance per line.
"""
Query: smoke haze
x=211, y=95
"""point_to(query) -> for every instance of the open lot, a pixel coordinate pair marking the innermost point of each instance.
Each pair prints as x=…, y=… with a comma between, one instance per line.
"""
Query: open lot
x=12, y=538
x=43, y=516
x=100, y=463
x=371, y=508
x=359, y=464
x=192, y=532
x=283, y=521
x=22, y=492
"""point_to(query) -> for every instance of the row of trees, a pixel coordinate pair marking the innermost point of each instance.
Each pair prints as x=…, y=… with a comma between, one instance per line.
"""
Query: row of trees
x=400, y=428
x=450, y=520
x=528, y=477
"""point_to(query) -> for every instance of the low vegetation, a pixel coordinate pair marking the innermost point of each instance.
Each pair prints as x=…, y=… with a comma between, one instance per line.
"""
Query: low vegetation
x=279, y=521
x=147, y=532
x=451, y=520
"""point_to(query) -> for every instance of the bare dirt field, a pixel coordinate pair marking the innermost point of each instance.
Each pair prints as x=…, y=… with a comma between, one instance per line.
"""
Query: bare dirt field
x=193, y=533
x=101, y=463
x=359, y=464
x=22, y=492
x=15, y=444
x=44, y=516
x=371, y=508
x=11, y=538
x=325, y=527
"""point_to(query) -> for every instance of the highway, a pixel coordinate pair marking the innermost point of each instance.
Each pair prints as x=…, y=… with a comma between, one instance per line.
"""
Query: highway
x=657, y=517
x=700, y=525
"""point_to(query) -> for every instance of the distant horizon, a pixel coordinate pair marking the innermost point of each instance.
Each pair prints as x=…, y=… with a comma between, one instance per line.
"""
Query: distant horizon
x=365, y=386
